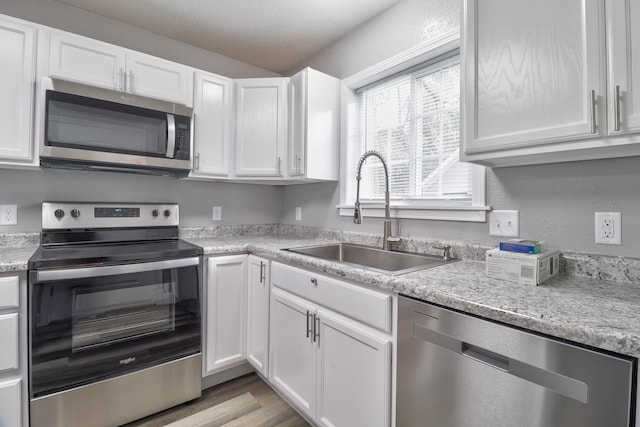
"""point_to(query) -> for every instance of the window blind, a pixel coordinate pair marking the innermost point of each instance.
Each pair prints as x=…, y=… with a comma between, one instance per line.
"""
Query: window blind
x=413, y=120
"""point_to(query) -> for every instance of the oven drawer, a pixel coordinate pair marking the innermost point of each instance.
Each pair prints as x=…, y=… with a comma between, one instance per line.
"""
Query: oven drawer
x=9, y=340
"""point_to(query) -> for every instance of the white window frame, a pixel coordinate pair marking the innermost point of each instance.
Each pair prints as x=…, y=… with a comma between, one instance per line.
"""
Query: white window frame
x=410, y=209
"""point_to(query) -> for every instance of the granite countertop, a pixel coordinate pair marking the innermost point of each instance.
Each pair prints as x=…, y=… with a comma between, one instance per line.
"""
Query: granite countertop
x=599, y=313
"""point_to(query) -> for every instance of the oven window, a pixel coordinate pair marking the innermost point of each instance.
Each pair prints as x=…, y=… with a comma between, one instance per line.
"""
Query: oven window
x=129, y=310
x=89, y=124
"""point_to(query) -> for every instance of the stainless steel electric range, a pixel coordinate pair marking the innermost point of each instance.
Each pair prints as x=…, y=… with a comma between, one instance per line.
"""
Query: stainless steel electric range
x=114, y=314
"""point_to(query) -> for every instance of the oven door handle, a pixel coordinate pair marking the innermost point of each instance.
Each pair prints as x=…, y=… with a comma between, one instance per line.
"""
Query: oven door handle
x=111, y=270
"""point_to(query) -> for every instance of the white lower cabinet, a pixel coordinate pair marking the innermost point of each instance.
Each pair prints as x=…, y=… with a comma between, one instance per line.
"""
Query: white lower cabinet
x=335, y=370
x=10, y=405
x=225, y=313
x=13, y=353
x=259, y=289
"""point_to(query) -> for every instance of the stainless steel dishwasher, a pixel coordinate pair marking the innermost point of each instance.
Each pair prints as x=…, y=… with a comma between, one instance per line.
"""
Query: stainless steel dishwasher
x=456, y=370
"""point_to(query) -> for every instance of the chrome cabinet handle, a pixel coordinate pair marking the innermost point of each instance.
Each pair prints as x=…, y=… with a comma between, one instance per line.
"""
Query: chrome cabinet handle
x=308, y=326
x=316, y=328
x=131, y=81
x=262, y=271
x=121, y=79
x=298, y=169
x=197, y=166
x=279, y=166
x=616, y=109
x=593, y=112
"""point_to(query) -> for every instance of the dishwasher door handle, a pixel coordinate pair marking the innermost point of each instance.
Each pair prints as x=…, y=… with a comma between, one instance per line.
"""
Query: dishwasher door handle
x=558, y=383
x=485, y=356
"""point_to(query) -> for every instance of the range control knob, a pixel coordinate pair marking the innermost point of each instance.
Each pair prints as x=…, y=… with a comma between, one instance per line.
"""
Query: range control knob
x=59, y=213
x=155, y=212
x=167, y=213
x=75, y=213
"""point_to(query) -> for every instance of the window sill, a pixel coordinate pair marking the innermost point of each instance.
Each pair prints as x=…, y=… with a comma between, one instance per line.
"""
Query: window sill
x=438, y=213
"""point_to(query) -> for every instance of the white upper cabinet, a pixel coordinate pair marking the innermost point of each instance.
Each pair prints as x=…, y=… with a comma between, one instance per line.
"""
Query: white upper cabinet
x=87, y=61
x=17, y=56
x=314, y=126
x=623, y=36
x=533, y=73
x=261, y=127
x=213, y=126
x=95, y=63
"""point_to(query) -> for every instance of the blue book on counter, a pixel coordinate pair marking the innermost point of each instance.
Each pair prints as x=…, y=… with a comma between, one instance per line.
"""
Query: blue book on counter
x=522, y=246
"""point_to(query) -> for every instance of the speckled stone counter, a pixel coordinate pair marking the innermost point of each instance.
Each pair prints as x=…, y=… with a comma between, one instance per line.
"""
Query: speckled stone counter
x=598, y=313
x=588, y=310
x=16, y=249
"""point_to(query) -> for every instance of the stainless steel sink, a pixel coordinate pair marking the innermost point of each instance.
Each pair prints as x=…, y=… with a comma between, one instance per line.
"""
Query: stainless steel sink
x=375, y=259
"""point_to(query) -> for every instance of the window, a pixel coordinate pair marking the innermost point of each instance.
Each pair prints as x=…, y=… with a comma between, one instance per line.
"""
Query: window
x=412, y=118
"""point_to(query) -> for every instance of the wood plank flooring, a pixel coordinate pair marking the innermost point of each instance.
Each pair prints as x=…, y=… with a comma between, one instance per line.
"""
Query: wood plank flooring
x=246, y=401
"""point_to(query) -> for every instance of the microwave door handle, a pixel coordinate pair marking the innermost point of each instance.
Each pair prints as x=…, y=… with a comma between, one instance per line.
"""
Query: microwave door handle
x=171, y=135
x=112, y=270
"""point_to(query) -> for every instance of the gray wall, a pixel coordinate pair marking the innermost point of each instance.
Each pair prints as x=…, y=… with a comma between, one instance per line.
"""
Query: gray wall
x=556, y=202
x=241, y=203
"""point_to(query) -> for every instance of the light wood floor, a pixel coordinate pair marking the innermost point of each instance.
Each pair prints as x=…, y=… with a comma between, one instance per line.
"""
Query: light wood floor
x=270, y=409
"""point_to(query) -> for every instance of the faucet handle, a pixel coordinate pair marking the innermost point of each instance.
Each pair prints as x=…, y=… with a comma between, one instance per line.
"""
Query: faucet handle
x=447, y=252
x=394, y=240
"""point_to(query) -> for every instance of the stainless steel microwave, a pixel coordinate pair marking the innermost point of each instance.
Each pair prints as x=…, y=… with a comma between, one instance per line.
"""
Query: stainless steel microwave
x=92, y=128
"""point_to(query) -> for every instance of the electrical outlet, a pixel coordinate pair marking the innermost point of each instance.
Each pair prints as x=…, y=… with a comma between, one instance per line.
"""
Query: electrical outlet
x=504, y=223
x=8, y=214
x=298, y=213
x=216, y=214
x=608, y=228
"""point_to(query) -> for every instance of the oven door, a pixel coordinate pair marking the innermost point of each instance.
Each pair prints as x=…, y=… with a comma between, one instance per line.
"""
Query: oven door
x=93, y=323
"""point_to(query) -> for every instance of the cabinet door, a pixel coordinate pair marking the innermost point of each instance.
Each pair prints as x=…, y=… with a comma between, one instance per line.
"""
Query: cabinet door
x=354, y=374
x=87, y=61
x=9, y=338
x=533, y=73
x=225, y=312
x=298, y=126
x=212, y=136
x=261, y=126
x=624, y=66
x=157, y=78
x=10, y=405
x=258, y=314
x=292, y=350
x=17, y=57
x=315, y=126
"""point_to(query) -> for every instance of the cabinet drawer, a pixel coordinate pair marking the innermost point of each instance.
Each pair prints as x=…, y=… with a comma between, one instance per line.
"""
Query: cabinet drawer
x=10, y=407
x=366, y=305
x=9, y=291
x=9, y=338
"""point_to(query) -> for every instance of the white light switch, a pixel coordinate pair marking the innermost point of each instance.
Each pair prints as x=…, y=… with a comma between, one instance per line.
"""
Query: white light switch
x=504, y=223
x=298, y=213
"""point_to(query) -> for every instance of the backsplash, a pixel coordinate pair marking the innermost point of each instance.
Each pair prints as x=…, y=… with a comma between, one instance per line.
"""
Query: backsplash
x=600, y=267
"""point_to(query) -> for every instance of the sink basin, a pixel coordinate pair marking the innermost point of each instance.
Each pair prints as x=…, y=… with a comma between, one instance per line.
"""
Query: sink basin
x=375, y=259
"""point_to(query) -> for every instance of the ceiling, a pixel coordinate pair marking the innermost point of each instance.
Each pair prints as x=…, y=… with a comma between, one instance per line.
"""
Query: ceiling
x=277, y=35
